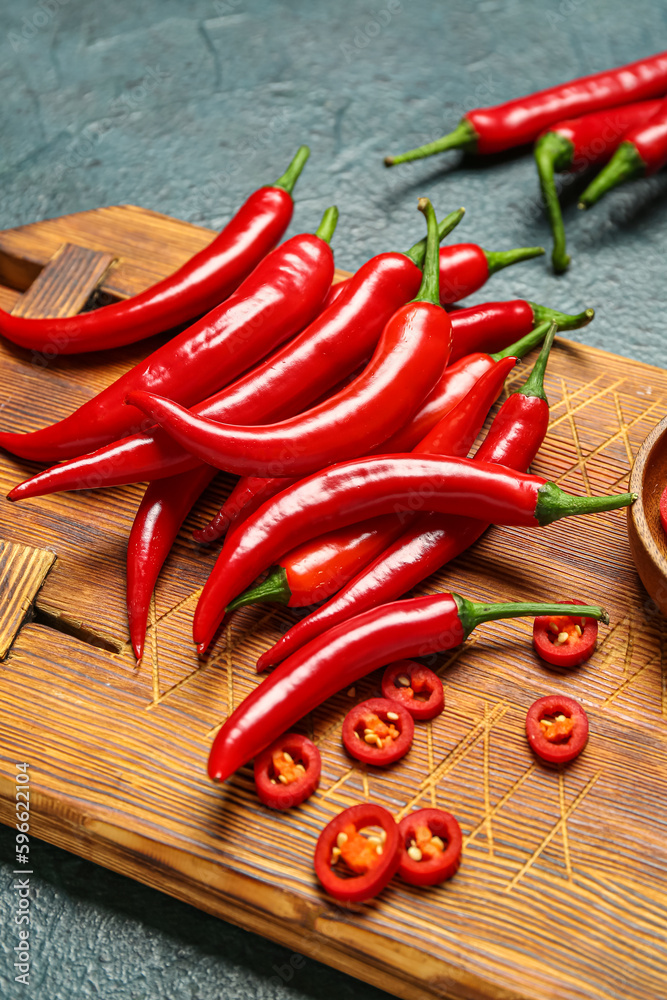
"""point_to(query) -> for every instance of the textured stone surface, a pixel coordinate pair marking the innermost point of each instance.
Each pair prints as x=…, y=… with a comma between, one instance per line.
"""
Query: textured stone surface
x=185, y=108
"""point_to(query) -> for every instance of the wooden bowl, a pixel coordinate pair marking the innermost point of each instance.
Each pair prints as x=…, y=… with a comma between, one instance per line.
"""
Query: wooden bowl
x=648, y=541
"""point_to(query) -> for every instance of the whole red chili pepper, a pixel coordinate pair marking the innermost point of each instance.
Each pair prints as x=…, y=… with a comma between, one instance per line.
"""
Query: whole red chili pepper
x=413, y=350
x=315, y=570
x=284, y=293
x=341, y=656
x=432, y=539
x=576, y=144
x=195, y=288
x=165, y=505
x=494, y=129
x=361, y=488
x=334, y=345
x=643, y=152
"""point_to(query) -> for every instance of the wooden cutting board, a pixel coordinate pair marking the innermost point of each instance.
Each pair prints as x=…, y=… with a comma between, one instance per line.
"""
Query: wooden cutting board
x=563, y=887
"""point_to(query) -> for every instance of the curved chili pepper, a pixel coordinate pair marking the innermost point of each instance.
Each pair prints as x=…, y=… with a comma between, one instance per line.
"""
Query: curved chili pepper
x=405, y=679
x=315, y=570
x=378, y=731
x=432, y=844
x=205, y=281
x=334, y=345
x=412, y=352
x=287, y=772
x=642, y=153
x=371, y=861
x=284, y=293
x=164, y=506
x=514, y=123
x=557, y=728
x=576, y=144
x=419, y=626
x=361, y=488
x=565, y=641
x=433, y=539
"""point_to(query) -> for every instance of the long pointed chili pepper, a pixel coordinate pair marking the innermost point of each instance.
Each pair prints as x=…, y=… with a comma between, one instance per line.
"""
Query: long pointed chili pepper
x=282, y=295
x=514, y=123
x=412, y=352
x=575, y=145
x=335, y=344
x=642, y=153
x=344, y=654
x=163, y=508
x=432, y=539
x=205, y=281
x=365, y=487
x=315, y=570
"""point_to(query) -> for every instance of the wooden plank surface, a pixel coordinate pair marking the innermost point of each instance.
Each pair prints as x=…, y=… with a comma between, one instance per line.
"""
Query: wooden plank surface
x=563, y=886
x=65, y=283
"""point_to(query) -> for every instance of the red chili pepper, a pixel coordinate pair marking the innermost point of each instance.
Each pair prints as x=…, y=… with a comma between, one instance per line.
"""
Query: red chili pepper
x=415, y=687
x=378, y=731
x=412, y=352
x=563, y=640
x=165, y=505
x=642, y=153
x=576, y=144
x=432, y=539
x=419, y=626
x=557, y=728
x=432, y=844
x=334, y=345
x=492, y=130
x=663, y=509
x=287, y=772
x=284, y=293
x=315, y=570
x=195, y=288
x=369, y=862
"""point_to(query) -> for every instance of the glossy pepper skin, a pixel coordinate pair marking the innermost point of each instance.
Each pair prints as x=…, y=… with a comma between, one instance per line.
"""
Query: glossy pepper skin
x=205, y=281
x=361, y=488
x=340, y=657
x=576, y=144
x=282, y=295
x=642, y=153
x=432, y=539
x=516, y=122
x=339, y=340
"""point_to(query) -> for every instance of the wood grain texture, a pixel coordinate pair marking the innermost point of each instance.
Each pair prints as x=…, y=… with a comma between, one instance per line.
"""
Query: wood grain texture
x=22, y=572
x=563, y=887
x=65, y=283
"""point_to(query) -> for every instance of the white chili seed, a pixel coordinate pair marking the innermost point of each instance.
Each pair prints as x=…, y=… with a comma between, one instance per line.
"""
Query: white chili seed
x=301, y=768
x=282, y=779
x=379, y=849
x=287, y=757
x=341, y=840
x=371, y=738
x=437, y=842
x=403, y=680
x=562, y=637
x=393, y=716
x=374, y=840
x=553, y=627
x=335, y=854
x=414, y=853
x=577, y=629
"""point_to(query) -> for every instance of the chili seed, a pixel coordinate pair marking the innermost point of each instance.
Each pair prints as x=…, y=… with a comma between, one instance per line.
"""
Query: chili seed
x=301, y=768
x=553, y=627
x=372, y=738
x=287, y=757
x=577, y=629
x=562, y=637
x=374, y=840
x=437, y=842
x=282, y=779
x=335, y=854
x=403, y=680
x=560, y=718
x=341, y=840
x=393, y=716
x=379, y=849
x=273, y=781
x=414, y=853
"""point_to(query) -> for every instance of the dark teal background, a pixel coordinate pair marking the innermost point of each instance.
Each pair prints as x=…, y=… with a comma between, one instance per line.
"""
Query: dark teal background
x=185, y=109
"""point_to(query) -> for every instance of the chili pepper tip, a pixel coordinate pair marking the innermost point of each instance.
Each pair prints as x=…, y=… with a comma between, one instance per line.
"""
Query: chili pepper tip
x=464, y=136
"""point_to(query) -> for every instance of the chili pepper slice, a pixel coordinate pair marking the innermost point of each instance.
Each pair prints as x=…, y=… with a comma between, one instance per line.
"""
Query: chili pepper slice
x=563, y=640
x=557, y=728
x=418, y=626
x=663, y=509
x=431, y=847
x=195, y=288
x=415, y=687
x=642, y=153
x=334, y=345
x=354, y=867
x=283, y=293
x=287, y=772
x=378, y=731
x=514, y=123
x=575, y=145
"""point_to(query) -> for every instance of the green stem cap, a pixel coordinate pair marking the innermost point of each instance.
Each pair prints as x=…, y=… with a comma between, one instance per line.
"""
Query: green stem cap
x=497, y=260
x=471, y=614
x=445, y=226
x=275, y=588
x=534, y=384
x=429, y=290
x=522, y=347
x=291, y=175
x=625, y=164
x=327, y=226
x=463, y=137
x=553, y=152
x=553, y=504
x=565, y=321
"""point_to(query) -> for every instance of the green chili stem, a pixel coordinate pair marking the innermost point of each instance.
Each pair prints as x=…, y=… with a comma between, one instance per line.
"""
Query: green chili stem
x=429, y=290
x=463, y=137
x=625, y=164
x=497, y=260
x=327, y=226
x=471, y=614
x=534, y=384
x=445, y=226
x=274, y=588
x=554, y=504
x=291, y=175
x=565, y=321
x=526, y=344
x=553, y=152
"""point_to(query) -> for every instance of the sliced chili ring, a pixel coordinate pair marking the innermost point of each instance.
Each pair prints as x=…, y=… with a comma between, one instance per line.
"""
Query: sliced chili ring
x=405, y=680
x=378, y=731
x=370, y=862
x=557, y=728
x=288, y=771
x=663, y=509
x=431, y=845
x=564, y=640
